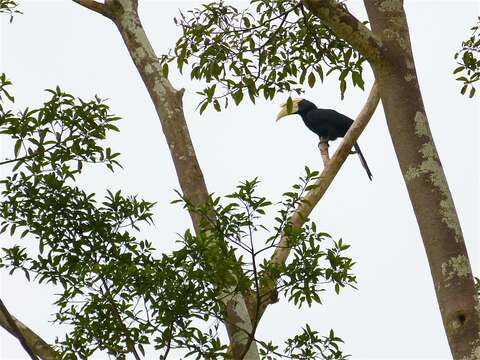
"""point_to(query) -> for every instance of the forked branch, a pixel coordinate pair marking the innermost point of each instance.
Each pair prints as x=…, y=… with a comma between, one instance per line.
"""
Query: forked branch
x=336, y=16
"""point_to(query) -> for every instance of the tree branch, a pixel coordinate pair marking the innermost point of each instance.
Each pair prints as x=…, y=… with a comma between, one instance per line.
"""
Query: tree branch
x=32, y=340
x=348, y=27
x=18, y=333
x=94, y=6
x=311, y=199
x=326, y=177
x=168, y=104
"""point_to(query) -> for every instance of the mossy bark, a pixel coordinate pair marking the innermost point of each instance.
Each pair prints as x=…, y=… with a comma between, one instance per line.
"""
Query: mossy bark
x=168, y=104
x=425, y=179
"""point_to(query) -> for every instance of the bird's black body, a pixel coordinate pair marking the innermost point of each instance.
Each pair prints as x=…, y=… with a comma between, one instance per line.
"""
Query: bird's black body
x=324, y=122
x=329, y=124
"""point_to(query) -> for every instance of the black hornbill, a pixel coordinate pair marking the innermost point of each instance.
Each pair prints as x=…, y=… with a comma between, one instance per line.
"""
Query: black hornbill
x=325, y=123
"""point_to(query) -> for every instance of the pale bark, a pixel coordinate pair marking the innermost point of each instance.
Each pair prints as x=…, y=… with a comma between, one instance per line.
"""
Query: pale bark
x=391, y=57
x=389, y=51
x=18, y=333
x=168, y=104
x=346, y=26
x=425, y=179
x=34, y=342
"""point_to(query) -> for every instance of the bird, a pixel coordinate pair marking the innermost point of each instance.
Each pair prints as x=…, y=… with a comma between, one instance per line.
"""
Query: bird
x=326, y=123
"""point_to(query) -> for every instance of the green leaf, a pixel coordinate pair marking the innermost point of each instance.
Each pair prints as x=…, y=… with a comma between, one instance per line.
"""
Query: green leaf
x=357, y=80
x=472, y=92
x=289, y=104
x=303, y=75
x=320, y=72
x=18, y=145
x=237, y=97
x=216, y=105
x=203, y=107
x=311, y=80
x=347, y=56
x=343, y=87
x=12, y=229
x=165, y=70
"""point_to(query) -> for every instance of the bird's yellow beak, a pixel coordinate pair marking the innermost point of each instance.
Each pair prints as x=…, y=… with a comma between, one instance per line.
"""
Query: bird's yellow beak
x=284, y=111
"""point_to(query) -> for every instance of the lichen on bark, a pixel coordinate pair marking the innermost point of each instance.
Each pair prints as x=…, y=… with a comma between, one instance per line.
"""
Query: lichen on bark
x=457, y=266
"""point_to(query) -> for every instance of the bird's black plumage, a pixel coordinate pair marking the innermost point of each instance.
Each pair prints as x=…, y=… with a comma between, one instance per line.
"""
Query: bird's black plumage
x=329, y=124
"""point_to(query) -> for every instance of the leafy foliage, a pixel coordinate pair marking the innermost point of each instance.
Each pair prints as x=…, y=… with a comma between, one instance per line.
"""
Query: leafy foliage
x=306, y=345
x=9, y=7
x=317, y=259
x=469, y=61
x=309, y=345
x=115, y=292
x=271, y=47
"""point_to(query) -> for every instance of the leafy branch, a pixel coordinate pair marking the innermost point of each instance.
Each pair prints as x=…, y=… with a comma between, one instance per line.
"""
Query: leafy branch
x=468, y=60
x=9, y=7
x=271, y=47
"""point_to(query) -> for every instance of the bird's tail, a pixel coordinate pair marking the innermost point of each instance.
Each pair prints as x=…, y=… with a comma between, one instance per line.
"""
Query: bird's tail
x=363, y=161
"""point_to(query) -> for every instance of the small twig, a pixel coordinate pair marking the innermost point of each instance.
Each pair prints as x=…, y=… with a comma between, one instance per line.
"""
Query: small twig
x=261, y=24
x=129, y=342
x=17, y=331
x=253, y=319
x=169, y=343
x=309, y=29
x=26, y=157
x=323, y=146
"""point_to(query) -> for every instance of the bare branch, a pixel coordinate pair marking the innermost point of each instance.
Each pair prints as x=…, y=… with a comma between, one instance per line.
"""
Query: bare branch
x=348, y=27
x=32, y=340
x=94, y=6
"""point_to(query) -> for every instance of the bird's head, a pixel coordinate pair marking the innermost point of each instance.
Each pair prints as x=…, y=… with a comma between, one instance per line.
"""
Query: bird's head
x=299, y=106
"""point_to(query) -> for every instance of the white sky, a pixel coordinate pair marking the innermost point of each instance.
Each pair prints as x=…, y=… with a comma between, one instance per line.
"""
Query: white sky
x=394, y=313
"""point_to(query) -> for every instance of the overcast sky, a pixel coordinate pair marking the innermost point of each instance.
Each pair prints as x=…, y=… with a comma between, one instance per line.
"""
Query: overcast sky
x=394, y=314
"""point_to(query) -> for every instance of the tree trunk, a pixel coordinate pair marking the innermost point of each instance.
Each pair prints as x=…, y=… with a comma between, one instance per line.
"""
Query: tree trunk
x=389, y=52
x=168, y=104
x=426, y=182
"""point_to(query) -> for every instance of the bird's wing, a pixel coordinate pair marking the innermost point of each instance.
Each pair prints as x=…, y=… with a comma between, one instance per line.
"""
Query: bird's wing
x=316, y=121
x=342, y=122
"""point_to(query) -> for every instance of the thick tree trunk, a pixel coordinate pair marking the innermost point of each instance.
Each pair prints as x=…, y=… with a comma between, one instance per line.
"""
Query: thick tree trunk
x=388, y=50
x=168, y=104
x=167, y=101
x=425, y=179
